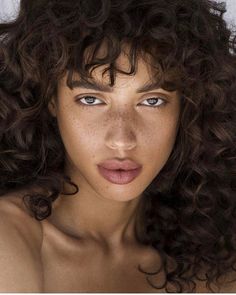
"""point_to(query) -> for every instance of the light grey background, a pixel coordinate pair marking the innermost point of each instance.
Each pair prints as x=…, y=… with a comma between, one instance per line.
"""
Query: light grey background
x=8, y=9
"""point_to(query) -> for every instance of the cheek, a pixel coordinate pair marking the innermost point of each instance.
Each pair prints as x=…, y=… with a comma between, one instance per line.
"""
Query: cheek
x=80, y=136
x=161, y=143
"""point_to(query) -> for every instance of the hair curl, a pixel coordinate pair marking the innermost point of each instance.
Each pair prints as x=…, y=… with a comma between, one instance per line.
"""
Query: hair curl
x=188, y=212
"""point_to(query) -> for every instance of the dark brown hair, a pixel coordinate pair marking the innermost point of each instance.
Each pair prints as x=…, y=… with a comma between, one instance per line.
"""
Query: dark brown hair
x=188, y=212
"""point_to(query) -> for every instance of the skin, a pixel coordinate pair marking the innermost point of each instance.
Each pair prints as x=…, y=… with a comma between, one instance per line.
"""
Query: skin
x=120, y=124
x=88, y=243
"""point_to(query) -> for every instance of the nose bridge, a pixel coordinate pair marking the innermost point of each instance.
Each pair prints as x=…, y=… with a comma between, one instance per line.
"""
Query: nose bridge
x=121, y=132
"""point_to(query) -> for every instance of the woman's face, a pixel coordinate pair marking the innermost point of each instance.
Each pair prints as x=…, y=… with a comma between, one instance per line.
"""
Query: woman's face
x=121, y=122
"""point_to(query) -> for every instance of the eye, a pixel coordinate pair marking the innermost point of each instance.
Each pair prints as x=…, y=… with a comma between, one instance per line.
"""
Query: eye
x=88, y=100
x=153, y=102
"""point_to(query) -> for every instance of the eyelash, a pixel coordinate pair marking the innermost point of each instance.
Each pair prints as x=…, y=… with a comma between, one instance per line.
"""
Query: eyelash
x=91, y=96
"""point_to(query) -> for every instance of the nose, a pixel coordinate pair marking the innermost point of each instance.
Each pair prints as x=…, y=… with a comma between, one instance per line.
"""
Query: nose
x=121, y=145
x=121, y=136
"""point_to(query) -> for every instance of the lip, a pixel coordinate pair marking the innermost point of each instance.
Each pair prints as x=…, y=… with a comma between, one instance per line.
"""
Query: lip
x=119, y=172
x=119, y=177
x=114, y=164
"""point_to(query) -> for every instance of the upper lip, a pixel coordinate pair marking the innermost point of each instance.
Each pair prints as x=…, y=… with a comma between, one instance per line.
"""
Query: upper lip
x=114, y=164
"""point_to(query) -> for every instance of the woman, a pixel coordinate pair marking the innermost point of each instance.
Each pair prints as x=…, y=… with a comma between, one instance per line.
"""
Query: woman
x=117, y=147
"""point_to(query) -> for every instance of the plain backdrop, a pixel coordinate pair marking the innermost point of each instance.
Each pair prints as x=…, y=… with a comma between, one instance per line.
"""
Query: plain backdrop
x=9, y=8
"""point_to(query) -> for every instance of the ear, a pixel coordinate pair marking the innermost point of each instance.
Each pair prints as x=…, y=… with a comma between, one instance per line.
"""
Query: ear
x=52, y=107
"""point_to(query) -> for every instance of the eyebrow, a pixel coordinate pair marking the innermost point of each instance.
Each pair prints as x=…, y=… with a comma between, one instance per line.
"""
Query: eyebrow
x=105, y=88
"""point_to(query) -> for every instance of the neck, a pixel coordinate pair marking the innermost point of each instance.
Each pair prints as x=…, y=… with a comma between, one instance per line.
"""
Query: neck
x=86, y=216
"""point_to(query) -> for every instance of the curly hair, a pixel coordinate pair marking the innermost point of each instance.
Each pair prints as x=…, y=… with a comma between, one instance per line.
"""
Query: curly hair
x=188, y=212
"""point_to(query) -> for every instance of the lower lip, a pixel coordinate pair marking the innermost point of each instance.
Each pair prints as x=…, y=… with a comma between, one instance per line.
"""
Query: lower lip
x=119, y=177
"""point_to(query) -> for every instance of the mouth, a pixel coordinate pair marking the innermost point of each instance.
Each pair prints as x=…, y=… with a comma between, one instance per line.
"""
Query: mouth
x=119, y=176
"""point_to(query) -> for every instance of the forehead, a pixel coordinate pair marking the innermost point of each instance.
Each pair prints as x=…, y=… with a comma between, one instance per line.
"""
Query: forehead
x=143, y=72
x=125, y=71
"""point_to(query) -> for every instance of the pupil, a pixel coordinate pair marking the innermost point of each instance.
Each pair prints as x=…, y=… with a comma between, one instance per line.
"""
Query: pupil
x=152, y=100
x=89, y=99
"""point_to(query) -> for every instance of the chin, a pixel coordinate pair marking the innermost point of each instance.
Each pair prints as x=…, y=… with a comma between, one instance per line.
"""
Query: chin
x=120, y=195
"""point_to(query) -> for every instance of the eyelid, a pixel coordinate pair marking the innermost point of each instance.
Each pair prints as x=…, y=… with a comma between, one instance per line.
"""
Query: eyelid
x=151, y=94
x=146, y=97
x=156, y=95
x=82, y=95
x=79, y=97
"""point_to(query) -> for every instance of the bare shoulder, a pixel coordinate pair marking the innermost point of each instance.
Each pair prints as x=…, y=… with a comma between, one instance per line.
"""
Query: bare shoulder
x=14, y=209
x=20, y=246
x=229, y=283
